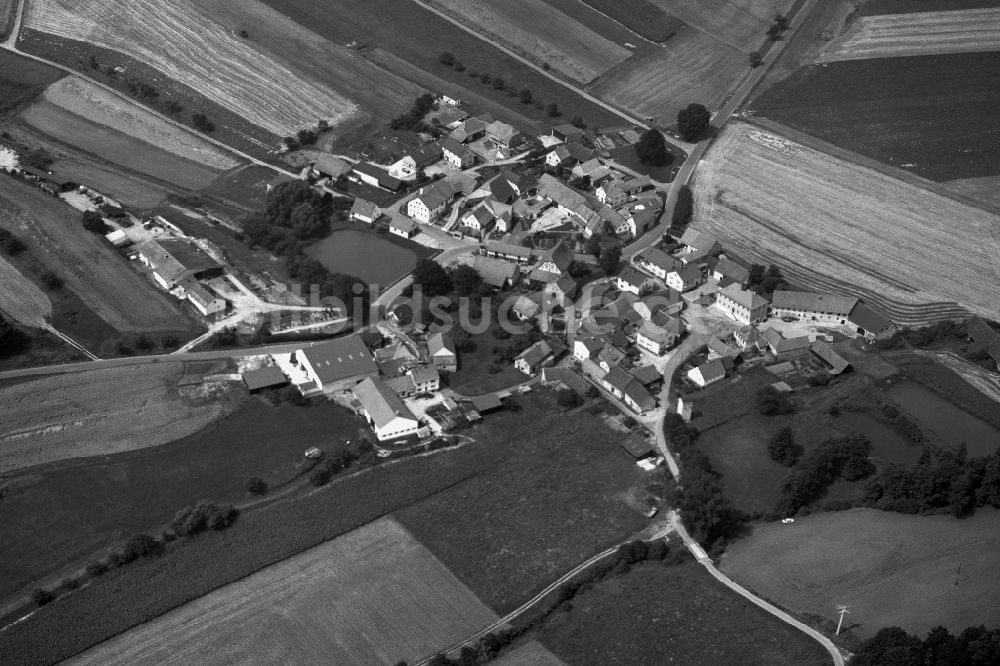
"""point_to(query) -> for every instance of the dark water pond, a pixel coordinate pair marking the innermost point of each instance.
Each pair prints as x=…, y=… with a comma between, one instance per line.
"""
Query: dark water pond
x=949, y=422
x=374, y=259
x=887, y=445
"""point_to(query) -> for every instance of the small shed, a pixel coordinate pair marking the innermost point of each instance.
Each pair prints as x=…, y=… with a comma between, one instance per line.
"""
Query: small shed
x=262, y=378
x=637, y=446
x=486, y=403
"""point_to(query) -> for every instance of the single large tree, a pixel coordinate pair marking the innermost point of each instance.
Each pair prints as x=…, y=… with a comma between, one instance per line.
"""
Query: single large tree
x=609, y=260
x=652, y=149
x=692, y=122
x=431, y=277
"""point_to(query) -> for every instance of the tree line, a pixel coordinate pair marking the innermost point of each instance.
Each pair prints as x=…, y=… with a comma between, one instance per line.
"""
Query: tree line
x=892, y=646
x=525, y=95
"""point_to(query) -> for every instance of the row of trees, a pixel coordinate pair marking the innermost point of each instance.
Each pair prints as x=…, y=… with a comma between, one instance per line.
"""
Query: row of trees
x=891, y=646
x=306, y=136
x=448, y=59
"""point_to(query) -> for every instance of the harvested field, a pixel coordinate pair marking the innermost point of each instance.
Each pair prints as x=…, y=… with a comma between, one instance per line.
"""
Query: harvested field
x=540, y=32
x=21, y=299
x=900, y=111
x=985, y=189
x=115, y=147
x=927, y=33
x=914, y=572
x=529, y=654
x=101, y=277
x=691, y=67
x=97, y=412
x=183, y=42
x=371, y=596
x=642, y=17
x=674, y=614
x=406, y=39
x=97, y=105
x=739, y=23
x=777, y=201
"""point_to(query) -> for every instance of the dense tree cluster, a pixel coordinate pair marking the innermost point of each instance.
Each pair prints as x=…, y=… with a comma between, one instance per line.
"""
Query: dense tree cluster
x=939, y=333
x=202, y=123
x=891, y=646
x=779, y=26
x=12, y=341
x=783, y=449
x=433, y=279
x=10, y=244
x=93, y=222
x=683, y=209
x=692, y=122
x=772, y=402
x=202, y=516
x=413, y=119
x=652, y=148
x=466, y=281
x=846, y=458
x=766, y=281
x=944, y=482
x=610, y=259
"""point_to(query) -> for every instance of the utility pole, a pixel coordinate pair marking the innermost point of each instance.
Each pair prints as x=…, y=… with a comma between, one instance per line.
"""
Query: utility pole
x=843, y=611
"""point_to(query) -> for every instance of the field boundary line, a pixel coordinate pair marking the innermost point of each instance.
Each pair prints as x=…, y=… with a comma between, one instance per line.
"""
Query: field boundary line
x=619, y=23
x=70, y=341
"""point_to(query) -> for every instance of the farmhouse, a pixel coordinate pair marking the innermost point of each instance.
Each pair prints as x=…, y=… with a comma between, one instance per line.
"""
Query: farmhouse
x=871, y=323
x=403, y=227
x=632, y=281
x=479, y=220
x=594, y=170
x=425, y=155
x=695, y=240
x=534, y=357
x=611, y=194
x=727, y=269
x=502, y=190
x=556, y=156
x=456, y=153
x=331, y=167
x=634, y=186
x=365, y=211
x=495, y=272
x=658, y=339
x=506, y=251
x=337, y=365
x=441, y=350
x=647, y=375
x=174, y=260
x=431, y=201
x=837, y=363
x=555, y=260
x=521, y=183
x=812, y=306
x=563, y=289
x=502, y=134
x=417, y=380
x=566, y=378
x=385, y=412
x=786, y=348
x=470, y=130
x=667, y=301
x=710, y=372
x=683, y=279
x=528, y=306
x=749, y=337
x=203, y=300
x=656, y=262
x=744, y=306
x=984, y=337
x=642, y=218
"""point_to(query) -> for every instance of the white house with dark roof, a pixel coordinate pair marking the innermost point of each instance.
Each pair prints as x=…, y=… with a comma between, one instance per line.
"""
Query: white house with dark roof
x=507, y=251
x=441, y=351
x=656, y=262
x=496, y=272
x=502, y=134
x=658, y=339
x=206, y=302
x=683, y=279
x=696, y=240
x=338, y=364
x=710, y=372
x=385, y=412
x=365, y=211
x=174, y=260
x=456, y=153
x=612, y=194
x=813, y=306
x=470, y=130
x=403, y=227
x=632, y=281
x=743, y=305
x=871, y=323
x=727, y=269
x=534, y=357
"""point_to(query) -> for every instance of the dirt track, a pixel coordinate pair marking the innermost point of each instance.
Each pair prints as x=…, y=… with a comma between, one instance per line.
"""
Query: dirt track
x=925, y=33
x=773, y=200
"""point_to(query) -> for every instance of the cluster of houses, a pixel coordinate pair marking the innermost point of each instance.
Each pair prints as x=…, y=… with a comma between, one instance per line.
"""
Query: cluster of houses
x=182, y=268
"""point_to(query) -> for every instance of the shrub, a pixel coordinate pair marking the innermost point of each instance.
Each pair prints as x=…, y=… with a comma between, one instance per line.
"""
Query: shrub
x=782, y=448
x=204, y=515
x=95, y=569
x=41, y=596
x=52, y=281
x=11, y=244
x=70, y=583
x=772, y=402
x=202, y=123
x=552, y=110
x=447, y=58
x=525, y=96
x=256, y=485
x=320, y=477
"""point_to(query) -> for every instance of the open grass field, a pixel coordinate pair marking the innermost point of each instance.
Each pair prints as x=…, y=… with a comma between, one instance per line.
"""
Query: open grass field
x=84, y=99
x=263, y=535
x=90, y=267
x=926, y=33
x=43, y=348
x=691, y=67
x=116, y=147
x=739, y=23
x=642, y=17
x=554, y=496
x=985, y=189
x=22, y=80
x=21, y=298
x=900, y=111
x=891, y=568
x=371, y=596
x=99, y=412
x=407, y=39
x=541, y=33
x=815, y=215
x=878, y=7
x=185, y=43
x=64, y=511
x=8, y=12
x=678, y=614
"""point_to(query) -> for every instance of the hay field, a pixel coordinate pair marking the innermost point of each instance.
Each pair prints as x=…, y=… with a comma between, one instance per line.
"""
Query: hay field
x=102, y=278
x=924, y=33
x=529, y=654
x=739, y=23
x=773, y=200
x=97, y=412
x=371, y=596
x=691, y=67
x=110, y=145
x=542, y=33
x=183, y=42
x=21, y=298
x=891, y=568
x=97, y=105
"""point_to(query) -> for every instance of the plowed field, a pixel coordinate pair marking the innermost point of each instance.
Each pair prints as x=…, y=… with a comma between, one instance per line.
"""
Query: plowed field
x=371, y=596
x=775, y=200
x=181, y=40
x=925, y=33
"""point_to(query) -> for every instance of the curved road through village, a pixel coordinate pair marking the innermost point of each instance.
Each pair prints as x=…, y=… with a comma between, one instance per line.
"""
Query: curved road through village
x=683, y=177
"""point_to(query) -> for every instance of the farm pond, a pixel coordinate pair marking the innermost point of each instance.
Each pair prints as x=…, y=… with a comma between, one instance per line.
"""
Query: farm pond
x=374, y=259
x=948, y=421
x=887, y=445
